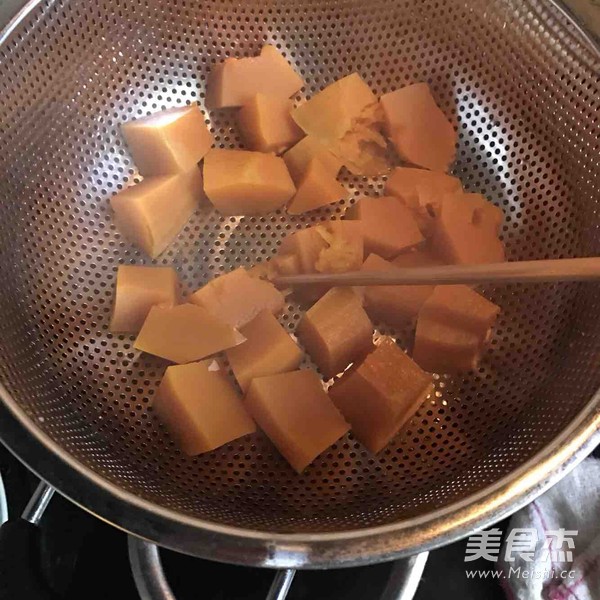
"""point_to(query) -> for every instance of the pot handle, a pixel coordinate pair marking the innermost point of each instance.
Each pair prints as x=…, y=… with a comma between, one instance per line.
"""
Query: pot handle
x=151, y=583
x=20, y=571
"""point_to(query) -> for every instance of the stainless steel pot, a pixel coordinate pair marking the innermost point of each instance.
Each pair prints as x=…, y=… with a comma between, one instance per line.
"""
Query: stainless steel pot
x=522, y=82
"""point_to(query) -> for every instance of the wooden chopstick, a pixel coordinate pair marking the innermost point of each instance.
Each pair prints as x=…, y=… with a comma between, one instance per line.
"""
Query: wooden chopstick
x=530, y=271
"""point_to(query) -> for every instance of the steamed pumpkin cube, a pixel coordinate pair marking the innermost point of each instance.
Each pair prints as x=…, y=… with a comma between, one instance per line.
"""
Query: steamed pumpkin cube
x=168, y=142
x=268, y=350
x=235, y=81
x=306, y=244
x=404, y=182
x=185, y=333
x=442, y=347
x=345, y=247
x=151, y=213
x=417, y=258
x=378, y=396
x=419, y=130
x=461, y=306
x=239, y=182
x=332, y=247
x=286, y=264
x=452, y=329
x=266, y=124
x=200, y=407
x=465, y=231
x=316, y=188
x=393, y=304
x=345, y=117
x=297, y=415
x=299, y=156
x=138, y=290
x=336, y=331
x=388, y=226
x=236, y=297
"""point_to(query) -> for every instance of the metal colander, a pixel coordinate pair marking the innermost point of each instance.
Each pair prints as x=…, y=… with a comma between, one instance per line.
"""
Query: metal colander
x=522, y=86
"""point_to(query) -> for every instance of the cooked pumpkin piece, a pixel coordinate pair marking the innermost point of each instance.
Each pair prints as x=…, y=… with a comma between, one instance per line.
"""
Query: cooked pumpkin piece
x=299, y=156
x=297, y=415
x=240, y=182
x=236, y=81
x=452, y=329
x=336, y=331
x=185, y=333
x=266, y=124
x=268, y=350
x=168, y=142
x=465, y=230
x=419, y=130
x=316, y=188
x=393, y=304
x=379, y=395
x=151, y=213
x=388, y=226
x=138, y=289
x=236, y=297
x=403, y=182
x=200, y=407
x=345, y=117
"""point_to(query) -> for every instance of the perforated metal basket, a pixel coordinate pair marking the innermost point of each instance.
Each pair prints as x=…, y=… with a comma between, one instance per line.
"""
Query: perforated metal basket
x=523, y=87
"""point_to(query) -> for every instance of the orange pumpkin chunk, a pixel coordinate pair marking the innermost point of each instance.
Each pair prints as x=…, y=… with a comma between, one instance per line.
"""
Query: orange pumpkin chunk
x=393, y=304
x=378, y=396
x=465, y=230
x=268, y=350
x=388, y=226
x=296, y=413
x=200, y=407
x=168, y=142
x=316, y=188
x=240, y=182
x=138, y=290
x=336, y=331
x=266, y=124
x=236, y=81
x=419, y=130
x=236, y=297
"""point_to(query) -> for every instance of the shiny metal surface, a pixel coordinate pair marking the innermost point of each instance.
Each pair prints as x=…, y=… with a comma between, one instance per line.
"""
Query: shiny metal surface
x=282, y=582
x=35, y=508
x=147, y=571
x=405, y=577
x=3, y=505
x=523, y=87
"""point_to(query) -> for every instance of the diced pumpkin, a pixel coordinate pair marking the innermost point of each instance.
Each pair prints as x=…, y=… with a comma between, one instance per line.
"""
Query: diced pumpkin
x=200, y=407
x=297, y=415
x=316, y=188
x=138, y=289
x=235, y=81
x=151, y=213
x=336, y=331
x=441, y=347
x=404, y=182
x=452, y=329
x=299, y=156
x=393, y=304
x=461, y=306
x=185, y=333
x=465, y=231
x=378, y=396
x=417, y=258
x=268, y=350
x=388, y=226
x=236, y=298
x=345, y=247
x=266, y=124
x=345, y=118
x=419, y=130
x=330, y=247
x=168, y=142
x=239, y=182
